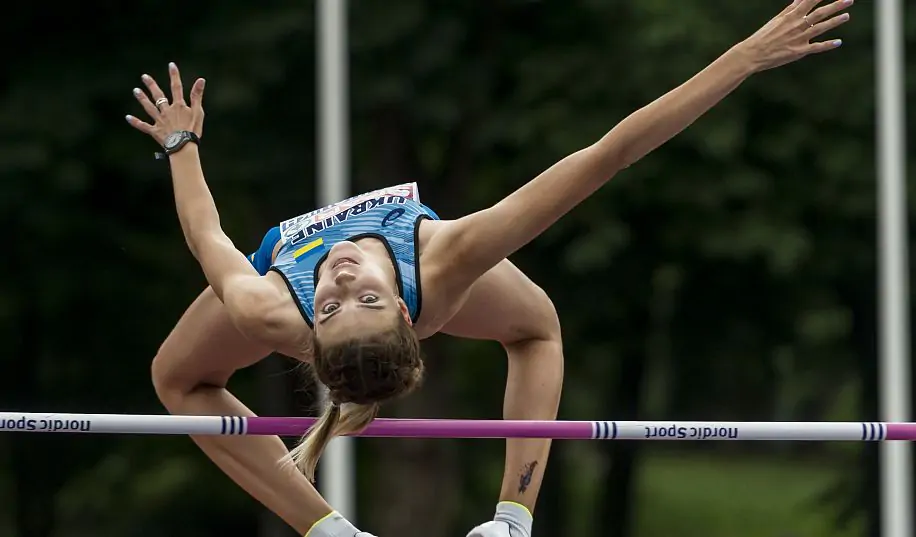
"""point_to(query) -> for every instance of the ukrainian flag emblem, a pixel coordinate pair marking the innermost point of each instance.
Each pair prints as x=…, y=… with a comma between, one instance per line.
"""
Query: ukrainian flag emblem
x=302, y=252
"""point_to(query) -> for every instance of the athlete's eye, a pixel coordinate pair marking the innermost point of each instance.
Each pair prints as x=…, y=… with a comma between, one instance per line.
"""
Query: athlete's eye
x=369, y=299
x=329, y=308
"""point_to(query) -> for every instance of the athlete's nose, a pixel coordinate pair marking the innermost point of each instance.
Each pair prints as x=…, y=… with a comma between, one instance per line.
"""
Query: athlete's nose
x=344, y=277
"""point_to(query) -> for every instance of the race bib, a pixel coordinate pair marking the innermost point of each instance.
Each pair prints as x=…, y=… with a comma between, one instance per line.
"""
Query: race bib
x=301, y=227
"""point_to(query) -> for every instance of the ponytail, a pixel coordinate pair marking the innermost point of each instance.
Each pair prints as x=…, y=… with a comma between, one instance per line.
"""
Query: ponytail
x=337, y=420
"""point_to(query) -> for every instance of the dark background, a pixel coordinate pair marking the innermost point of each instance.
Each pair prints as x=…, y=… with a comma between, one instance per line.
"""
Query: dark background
x=730, y=275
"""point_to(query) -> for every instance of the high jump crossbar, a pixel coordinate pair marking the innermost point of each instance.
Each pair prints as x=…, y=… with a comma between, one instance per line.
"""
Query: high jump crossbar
x=435, y=428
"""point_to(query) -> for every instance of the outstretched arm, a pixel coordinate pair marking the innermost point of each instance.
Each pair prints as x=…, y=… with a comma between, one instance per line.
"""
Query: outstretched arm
x=220, y=260
x=470, y=247
x=258, y=309
x=255, y=306
x=192, y=367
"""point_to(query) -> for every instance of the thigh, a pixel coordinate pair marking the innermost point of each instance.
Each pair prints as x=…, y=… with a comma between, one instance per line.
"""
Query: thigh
x=204, y=347
x=505, y=305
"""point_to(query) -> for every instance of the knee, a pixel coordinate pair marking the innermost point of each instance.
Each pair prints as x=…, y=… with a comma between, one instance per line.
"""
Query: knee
x=166, y=382
x=159, y=376
x=539, y=343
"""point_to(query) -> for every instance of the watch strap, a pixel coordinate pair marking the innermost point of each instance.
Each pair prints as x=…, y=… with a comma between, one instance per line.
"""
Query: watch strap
x=186, y=137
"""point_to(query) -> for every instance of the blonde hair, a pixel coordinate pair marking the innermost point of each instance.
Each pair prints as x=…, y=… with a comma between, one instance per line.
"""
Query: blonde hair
x=337, y=420
x=360, y=374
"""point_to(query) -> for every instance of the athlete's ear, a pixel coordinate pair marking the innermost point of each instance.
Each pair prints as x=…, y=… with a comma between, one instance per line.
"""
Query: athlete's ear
x=405, y=312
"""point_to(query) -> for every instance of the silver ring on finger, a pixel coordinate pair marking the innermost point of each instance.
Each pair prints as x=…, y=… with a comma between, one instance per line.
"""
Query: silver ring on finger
x=160, y=102
x=804, y=17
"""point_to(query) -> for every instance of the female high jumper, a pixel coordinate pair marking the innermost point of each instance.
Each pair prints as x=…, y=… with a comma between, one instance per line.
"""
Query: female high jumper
x=352, y=288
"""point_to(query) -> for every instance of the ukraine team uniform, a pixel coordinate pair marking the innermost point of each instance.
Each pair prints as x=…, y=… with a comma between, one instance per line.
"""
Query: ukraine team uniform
x=392, y=215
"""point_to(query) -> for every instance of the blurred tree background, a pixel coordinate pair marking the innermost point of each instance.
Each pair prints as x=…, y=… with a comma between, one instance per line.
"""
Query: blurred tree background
x=730, y=275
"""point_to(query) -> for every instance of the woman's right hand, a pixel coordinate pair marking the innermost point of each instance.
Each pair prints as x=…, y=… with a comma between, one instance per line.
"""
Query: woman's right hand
x=787, y=37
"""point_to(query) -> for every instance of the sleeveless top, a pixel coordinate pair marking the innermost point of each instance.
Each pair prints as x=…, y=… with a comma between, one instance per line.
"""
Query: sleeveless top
x=391, y=215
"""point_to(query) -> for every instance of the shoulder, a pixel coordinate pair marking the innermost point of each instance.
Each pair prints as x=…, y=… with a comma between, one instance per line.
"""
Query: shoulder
x=429, y=228
x=443, y=291
x=429, y=244
x=443, y=246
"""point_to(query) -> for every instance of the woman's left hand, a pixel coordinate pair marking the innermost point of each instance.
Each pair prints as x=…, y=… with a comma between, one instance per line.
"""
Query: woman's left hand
x=169, y=117
x=787, y=37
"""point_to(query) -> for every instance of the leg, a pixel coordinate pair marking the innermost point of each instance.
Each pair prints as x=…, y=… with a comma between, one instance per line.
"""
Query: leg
x=203, y=348
x=505, y=306
x=190, y=373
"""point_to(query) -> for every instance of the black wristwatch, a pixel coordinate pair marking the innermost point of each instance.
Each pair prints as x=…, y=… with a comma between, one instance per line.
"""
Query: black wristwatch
x=175, y=141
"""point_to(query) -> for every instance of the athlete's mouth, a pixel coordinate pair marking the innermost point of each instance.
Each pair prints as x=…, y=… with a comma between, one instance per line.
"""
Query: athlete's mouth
x=343, y=261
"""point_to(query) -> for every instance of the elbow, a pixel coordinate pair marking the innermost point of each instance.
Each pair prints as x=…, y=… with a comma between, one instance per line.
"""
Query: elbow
x=193, y=238
x=198, y=236
x=192, y=246
x=613, y=154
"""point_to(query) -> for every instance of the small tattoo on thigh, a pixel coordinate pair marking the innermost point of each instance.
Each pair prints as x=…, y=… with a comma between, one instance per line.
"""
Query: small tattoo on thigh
x=524, y=480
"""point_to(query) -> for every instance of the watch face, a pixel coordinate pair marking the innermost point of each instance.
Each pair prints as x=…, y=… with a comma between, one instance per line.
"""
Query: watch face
x=172, y=140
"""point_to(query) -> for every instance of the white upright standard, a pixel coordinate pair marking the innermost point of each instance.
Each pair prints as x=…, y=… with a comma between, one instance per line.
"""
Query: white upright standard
x=893, y=299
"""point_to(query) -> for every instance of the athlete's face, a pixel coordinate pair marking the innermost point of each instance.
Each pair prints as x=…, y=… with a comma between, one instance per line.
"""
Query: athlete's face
x=356, y=292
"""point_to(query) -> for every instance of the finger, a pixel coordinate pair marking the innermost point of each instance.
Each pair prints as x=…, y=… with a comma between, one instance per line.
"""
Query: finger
x=155, y=91
x=826, y=26
x=141, y=126
x=197, y=105
x=177, y=90
x=823, y=46
x=805, y=6
x=197, y=94
x=147, y=105
x=198, y=127
x=825, y=12
x=792, y=5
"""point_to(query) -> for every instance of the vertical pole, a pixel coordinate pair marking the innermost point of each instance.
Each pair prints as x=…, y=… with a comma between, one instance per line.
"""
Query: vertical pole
x=894, y=371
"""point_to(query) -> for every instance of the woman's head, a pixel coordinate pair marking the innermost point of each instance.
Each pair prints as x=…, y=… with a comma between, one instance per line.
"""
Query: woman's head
x=367, y=357
x=370, y=368
x=356, y=292
x=360, y=374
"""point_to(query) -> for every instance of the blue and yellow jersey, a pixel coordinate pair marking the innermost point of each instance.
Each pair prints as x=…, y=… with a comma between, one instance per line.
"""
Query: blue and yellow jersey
x=391, y=215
